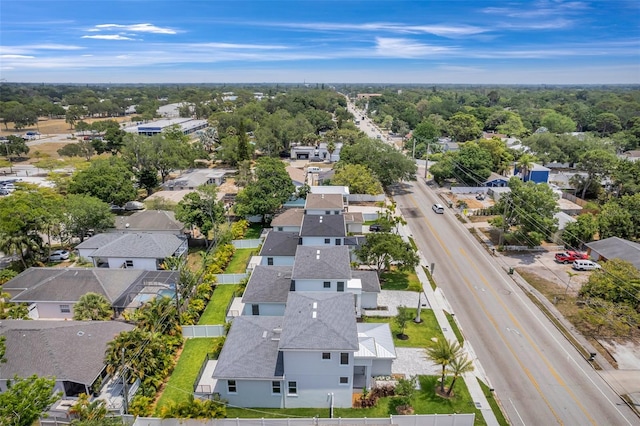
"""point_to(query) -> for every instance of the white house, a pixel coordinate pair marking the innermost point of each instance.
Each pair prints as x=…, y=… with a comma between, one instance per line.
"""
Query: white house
x=289, y=220
x=138, y=250
x=319, y=230
x=279, y=248
x=324, y=204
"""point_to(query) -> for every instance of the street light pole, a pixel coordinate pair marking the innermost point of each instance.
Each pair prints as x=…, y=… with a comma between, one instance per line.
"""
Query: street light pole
x=426, y=164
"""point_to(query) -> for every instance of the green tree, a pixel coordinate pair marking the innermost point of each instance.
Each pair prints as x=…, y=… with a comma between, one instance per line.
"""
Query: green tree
x=464, y=127
x=381, y=249
x=472, y=164
x=424, y=133
x=70, y=150
x=387, y=163
x=85, y=410
x=443, y=352
x=615, y=221
x=525, y=163
x=626, y=177
x=457, y=367
x=618, y=281
x=195, y=409
x=575, y=234
x=358, y=178
x=607, y=123
x=269, y=189
x=598, y=164
x=3, y=348
x=401, y=319
x=84, y=213
x=92, y=307
x=15, y=146
x=25, y=399
x=74, y=114
x=109, y=180
x=557, y=123
x=202, y=210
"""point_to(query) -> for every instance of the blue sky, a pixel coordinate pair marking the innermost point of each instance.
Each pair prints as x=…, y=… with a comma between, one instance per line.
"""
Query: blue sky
x=454, y=41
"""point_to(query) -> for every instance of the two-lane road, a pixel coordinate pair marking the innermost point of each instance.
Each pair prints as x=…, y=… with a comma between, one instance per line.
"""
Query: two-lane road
x=538, y=376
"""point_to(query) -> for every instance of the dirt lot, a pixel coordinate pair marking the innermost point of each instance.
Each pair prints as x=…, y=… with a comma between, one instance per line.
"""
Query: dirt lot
x=54, y=126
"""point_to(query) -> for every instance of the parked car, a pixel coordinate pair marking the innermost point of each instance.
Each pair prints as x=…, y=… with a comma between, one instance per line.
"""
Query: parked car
x=58, y=256
x=570, y=256
x=585, y=265
x=134, y=205
x=116, y=209
x=480, y=196
x=375, y=228
x=438, y=208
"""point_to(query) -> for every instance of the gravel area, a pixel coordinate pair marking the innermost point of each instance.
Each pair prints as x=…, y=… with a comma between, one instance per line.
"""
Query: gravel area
x=391, y=299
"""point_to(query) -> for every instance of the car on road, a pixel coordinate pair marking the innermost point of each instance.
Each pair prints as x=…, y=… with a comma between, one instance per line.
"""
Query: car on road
x=375, y=228
x=585, y=265
x=59, y=255
x=570, y=256
x=438, y=208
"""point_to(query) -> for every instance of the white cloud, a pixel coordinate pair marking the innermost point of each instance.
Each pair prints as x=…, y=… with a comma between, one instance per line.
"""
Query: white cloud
x=406, y=48
x=16, y=57
x=108, y=37
x=135, y=28
x=542, y=14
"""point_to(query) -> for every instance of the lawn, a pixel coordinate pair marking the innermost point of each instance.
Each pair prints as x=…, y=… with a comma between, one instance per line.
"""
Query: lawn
x=494, y=404
x=215, y=312
x=420, y=335
x=253, y=232
x=454, y=327
x=195, y=258
x=400, y=280
x=180, y=384
x=425, y=401
x=239, y=261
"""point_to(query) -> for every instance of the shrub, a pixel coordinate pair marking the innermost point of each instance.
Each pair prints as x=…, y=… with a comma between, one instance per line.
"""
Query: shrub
x=239, y=229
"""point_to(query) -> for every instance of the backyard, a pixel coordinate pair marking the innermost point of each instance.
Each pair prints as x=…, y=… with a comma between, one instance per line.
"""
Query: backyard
x=400, y=280
x=216, y=310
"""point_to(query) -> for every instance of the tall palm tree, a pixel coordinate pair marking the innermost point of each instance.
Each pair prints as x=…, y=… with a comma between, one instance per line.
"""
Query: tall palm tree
x=458, y=366
x=443, y=352
x=525, y=162
x=92, y=307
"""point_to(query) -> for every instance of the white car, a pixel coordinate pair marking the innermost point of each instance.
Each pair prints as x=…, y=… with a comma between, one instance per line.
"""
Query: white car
x=585, y=265
x=58, y=256
x=438, y=208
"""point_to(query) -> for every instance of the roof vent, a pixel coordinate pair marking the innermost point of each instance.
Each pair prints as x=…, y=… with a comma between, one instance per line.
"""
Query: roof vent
x=80, y=333
x=314, y=314
x=315, y=305
x=277, y=330
x=264, y=334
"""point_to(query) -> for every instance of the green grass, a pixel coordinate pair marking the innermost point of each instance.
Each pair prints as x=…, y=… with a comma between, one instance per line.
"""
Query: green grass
x=454, y=328
x=253, y=232
x=400, y=280
x=430, y=278
x=239, y=261
x=424, y=402
x=420, y=335
x=413, y=243
x=502, y=420
x=215, y=313
x=180, y=384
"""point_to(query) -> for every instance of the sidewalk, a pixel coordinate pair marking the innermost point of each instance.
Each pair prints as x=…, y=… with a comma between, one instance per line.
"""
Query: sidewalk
x=438, y=305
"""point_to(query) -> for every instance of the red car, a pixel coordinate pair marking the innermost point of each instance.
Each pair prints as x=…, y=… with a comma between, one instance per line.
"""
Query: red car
x=570, y=256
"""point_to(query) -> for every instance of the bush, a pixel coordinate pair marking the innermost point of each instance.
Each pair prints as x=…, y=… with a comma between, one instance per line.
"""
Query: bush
x=239, y=229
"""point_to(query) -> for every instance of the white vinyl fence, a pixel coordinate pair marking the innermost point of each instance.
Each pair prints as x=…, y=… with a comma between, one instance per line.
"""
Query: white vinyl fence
x=192, y=331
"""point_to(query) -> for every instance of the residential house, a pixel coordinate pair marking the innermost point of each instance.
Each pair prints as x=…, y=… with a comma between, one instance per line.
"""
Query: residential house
x=140, y=250
x=633, y=155
x=267, y=291
x=279, y=248
x=316, y=153
x=354, y=222
x=298, y=177
x=70, y=351
x=156, y=221
x=192, y=179
x=536, y=173
x=290, y=220
x=615, y=248
x=332, y=189
x=495, y=181
x=316, y=348
x=51, y=293
x=324, y=204
x=318, y=230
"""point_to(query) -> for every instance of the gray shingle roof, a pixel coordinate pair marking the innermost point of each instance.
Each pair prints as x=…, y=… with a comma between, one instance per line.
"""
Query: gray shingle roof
x=289, y=217
x=280, y=244
x=321, y=262
x=99, y=240
x=134, y=245
x=319, y=321
x=68, y=350
x=250, y=350
x=615, y=247
x=69, y=284
x=268, y=284
x=324, y=201
x=369, y=280
x=323, y=226
x=150, y=220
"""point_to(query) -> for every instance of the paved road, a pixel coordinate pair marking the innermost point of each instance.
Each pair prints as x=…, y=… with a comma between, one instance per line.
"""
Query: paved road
x=538, y=376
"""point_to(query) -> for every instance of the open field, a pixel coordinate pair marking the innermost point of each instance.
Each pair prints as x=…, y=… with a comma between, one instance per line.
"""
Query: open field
x=54, y=126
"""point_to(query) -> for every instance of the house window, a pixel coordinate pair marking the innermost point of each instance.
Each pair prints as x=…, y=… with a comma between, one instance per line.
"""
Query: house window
x=337, y=241
x=344, y=380
x=327, y=212
x=293, y=388
x=231, y=386
x=255, y=309
x=326, y=355
x=344, y=358
x=326, y=284
x=292, y=287
x=300, y=241
x=340, y=285
x=275, y=387
x=280, y=228
x=327, y=240
x=128, y=263
x=65, y=309
x=270, y=261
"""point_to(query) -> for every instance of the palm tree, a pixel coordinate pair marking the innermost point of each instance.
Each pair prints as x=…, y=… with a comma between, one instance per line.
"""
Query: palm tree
x=92, y=307
x=84, y=409
x=331, y=147
x=443, y=352
x=458, y=366
x=525, y=162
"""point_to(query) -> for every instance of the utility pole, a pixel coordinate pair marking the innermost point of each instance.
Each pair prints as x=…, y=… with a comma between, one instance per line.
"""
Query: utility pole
x=125, y=385
x=417, y=319
x=426, y=163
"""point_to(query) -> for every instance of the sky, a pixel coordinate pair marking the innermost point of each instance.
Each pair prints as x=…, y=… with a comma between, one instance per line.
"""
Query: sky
x=268, y=41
